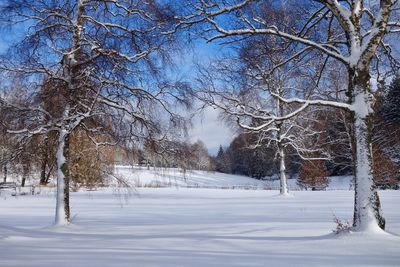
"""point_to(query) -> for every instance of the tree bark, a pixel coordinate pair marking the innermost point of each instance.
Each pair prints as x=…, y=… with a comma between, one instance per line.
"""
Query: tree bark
x=62, y=204
x=367, y=208
x=282, y=171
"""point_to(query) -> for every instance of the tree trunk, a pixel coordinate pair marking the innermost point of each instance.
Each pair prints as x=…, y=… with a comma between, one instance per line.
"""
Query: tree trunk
x=25, y=173
x=49, y=173
x=281, y=152
x=282, y=171
x=5, y=173
x=367, y=210
x=43, y=172
x=62, y=204
x=63, y=177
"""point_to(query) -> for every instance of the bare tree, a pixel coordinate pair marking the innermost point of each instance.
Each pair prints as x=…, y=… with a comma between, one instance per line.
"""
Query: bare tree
x=247, y=89
x=355, y=33
x=102, y=60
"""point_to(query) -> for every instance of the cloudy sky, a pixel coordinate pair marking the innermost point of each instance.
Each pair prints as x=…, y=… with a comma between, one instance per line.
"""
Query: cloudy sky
x=208, y=128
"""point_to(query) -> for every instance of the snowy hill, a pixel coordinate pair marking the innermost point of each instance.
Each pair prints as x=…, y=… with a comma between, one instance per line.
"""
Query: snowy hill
x=173, y=177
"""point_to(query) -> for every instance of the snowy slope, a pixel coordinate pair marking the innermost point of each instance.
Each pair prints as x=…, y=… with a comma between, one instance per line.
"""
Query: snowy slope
x=163, y=177
x=172, y=227
x=172, y=177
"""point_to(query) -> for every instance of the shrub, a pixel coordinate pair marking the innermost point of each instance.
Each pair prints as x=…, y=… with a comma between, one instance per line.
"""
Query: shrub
x=313, y=175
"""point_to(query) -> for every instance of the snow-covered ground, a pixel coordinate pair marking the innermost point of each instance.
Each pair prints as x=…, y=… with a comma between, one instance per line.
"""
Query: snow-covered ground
x=194, y=219
x=159, y=177
x=173, y=177
x=194, y=227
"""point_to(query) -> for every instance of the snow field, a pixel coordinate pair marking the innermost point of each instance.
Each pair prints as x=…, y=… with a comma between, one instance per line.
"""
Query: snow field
x=194, y=227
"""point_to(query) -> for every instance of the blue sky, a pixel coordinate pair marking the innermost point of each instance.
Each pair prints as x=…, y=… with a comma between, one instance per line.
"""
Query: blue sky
x=207, y=126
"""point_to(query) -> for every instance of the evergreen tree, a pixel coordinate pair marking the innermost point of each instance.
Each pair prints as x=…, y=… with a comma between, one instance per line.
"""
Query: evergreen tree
x=386, y=142
x=391, y=104
x=222, y=161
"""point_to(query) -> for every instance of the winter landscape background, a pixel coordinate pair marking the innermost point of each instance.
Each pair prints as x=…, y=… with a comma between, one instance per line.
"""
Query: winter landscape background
x=199, y=132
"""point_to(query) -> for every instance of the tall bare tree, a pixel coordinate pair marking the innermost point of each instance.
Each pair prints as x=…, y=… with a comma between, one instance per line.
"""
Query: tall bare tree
x=246, y=89
x=355, y=33
x=103, y=59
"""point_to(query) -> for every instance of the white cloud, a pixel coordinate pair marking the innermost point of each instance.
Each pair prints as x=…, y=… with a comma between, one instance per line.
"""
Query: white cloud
x=208, y=128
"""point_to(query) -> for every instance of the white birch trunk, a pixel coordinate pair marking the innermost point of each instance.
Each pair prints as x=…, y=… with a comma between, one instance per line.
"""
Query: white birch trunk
x=62, y=197
x=282, y=172
x=281, y=151
x=367, y=212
